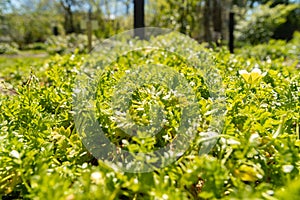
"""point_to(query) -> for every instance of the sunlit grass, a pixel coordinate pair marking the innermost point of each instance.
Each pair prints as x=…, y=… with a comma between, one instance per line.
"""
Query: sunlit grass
x=14, y=63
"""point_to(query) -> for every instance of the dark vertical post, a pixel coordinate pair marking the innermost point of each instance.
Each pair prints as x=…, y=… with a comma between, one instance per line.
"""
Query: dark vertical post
x=139, y=18
x=89, y=30
x=217, y=21
x=231, y=31
x=207, y=21
x=55, y=30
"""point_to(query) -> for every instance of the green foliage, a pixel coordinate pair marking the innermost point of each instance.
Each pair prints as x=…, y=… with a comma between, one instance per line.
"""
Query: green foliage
x=274, y=49
x=259, y=27
x=24, y=29
x=67, y=44
x=14, y=66
x=177, y=15
x=36, y=46
x=256, y=156
x=8, y=48
x=291, y=191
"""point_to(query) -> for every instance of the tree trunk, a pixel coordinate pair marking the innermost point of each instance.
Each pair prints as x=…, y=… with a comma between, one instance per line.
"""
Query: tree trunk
x=206, y=21
x=231, y=32
x=139, y=18
x=217, y=20
x=69, y=21
x=183, y=16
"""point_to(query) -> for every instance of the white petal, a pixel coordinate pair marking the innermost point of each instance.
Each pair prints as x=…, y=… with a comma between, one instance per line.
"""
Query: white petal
x=287, y=168
x=254, y=137
x=14, y=154
x=165, y=196
x=257, y=70
x=243, y=72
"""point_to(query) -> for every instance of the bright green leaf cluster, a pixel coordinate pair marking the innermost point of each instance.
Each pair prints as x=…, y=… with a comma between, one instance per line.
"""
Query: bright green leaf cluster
x=256, y=155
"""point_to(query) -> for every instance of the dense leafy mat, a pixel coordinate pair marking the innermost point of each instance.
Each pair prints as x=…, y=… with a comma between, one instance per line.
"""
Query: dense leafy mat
x=256, y=155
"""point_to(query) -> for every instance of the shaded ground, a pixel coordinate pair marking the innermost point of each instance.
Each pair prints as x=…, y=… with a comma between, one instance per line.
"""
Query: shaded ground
x=22, y=54
x=11, y=62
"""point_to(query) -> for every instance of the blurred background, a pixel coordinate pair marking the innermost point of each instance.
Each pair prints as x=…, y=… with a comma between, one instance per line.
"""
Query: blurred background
x=61, y=26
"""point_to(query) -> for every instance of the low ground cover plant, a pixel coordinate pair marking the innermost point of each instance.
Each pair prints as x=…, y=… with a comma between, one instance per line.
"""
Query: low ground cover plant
x=256, y=155
x=10, y=49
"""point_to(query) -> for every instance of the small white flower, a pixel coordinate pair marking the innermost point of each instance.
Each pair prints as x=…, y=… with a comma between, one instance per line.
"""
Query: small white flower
x=241, y=72
x=15, y=154
x=166, y=137
x=96, y=177
x=84, y=165
x=287, y=168
x=254, y=138
x=167, y=96
x=259, y=176
x=165, y=196
x=72, y=57
x=270, y=192
x=125, y=142
x=192, y=83
x=256, y=70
